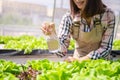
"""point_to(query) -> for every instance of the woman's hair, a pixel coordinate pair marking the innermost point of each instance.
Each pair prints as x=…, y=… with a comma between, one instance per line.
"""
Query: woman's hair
x=92, y=8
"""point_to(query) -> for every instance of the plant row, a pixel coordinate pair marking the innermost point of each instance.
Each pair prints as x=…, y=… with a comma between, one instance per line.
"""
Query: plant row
x=29, y=43
x=48, y=70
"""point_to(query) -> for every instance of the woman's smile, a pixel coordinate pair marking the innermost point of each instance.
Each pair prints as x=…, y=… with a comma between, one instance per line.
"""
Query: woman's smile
x=80, y=3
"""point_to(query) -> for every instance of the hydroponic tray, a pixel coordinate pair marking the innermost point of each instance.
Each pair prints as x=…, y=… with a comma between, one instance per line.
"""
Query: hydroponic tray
x=33, y=52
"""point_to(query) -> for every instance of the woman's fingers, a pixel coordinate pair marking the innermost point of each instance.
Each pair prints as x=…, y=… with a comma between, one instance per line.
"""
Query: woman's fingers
x=45, y=29
x=70, y=59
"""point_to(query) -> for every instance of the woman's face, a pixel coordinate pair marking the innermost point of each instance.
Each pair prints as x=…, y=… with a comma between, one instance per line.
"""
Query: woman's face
x=80, y=3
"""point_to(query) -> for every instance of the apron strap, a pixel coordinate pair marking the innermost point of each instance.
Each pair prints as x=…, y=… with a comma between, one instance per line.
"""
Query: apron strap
x=75, y=29
x=98, y=20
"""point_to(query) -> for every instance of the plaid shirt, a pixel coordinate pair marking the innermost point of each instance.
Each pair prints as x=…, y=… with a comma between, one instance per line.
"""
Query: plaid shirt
x=108, y=18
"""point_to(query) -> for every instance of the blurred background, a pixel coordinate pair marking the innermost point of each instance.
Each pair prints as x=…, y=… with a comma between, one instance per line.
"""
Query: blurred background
x=18, y=17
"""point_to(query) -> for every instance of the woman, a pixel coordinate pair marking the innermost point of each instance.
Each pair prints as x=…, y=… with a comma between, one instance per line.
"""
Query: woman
x=91, y=24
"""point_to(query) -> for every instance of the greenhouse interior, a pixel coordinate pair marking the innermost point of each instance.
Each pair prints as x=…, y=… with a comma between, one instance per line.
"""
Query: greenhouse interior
x=26, y=53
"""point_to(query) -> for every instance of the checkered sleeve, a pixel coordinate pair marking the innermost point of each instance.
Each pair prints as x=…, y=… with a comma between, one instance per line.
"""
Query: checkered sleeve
x=107, y=39
x=64, y=32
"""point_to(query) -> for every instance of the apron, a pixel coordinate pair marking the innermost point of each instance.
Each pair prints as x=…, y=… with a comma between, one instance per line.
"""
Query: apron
x=86, y=42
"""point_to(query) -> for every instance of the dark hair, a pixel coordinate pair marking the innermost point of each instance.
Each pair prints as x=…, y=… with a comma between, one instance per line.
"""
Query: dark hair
x=92, y=8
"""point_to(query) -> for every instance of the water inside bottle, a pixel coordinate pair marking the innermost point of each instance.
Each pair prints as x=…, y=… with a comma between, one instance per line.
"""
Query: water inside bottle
x=53, y=45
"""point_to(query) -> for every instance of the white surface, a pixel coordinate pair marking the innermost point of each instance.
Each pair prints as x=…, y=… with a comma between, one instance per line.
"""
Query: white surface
x=1, y=46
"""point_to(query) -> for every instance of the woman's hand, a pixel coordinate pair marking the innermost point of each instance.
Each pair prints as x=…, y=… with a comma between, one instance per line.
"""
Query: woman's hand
x=71, y=59
x=48, y=28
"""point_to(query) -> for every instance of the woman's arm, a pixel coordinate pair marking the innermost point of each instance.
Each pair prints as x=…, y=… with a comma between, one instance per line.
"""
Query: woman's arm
x=107, y=40
x=64, y=32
